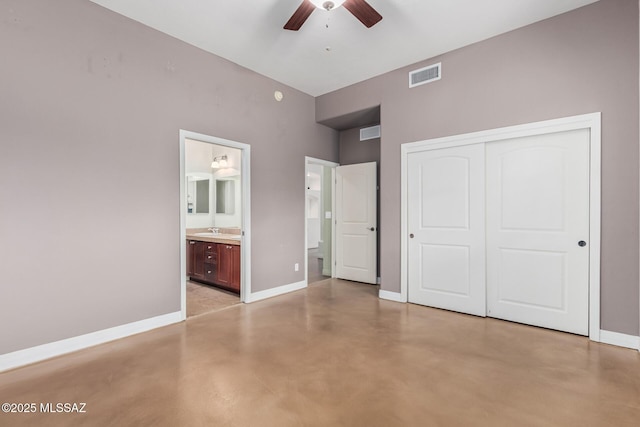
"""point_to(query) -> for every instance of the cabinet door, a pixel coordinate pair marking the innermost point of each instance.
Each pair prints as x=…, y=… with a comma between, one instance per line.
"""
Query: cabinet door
x=229, y=267
x=198, y=260
x=191, y=257
x=224, y=264
x=235, y=268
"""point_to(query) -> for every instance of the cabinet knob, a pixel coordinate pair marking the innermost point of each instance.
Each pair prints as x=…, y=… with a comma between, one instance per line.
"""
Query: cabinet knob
x=191, y=242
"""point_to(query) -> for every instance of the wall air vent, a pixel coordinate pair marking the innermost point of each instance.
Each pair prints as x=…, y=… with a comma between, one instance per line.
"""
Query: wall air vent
x=370, y=133
x=425, y=75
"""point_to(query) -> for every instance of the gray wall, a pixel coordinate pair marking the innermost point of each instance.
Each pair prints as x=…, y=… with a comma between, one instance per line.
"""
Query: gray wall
x=91, y=105
x=352, y=150
x=580, y=62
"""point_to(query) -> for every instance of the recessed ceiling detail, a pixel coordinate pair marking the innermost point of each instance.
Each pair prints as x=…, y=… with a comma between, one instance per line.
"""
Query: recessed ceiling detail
x=411, y=31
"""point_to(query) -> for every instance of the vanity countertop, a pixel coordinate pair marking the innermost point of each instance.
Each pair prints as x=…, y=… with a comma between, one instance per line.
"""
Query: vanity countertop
x=227, y=239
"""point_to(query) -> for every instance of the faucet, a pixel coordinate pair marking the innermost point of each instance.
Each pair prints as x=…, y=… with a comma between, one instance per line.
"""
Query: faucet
x=214, y=230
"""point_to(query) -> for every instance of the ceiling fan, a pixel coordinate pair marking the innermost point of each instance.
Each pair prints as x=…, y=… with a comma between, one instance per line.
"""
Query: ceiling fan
x=358, y=8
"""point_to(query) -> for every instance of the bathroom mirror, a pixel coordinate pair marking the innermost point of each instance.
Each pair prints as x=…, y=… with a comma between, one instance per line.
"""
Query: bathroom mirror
x=225, y=196
x=198, y=194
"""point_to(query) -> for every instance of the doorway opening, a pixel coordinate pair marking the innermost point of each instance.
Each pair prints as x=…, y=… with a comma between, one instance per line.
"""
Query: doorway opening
x=214, y=221
x=319, y=215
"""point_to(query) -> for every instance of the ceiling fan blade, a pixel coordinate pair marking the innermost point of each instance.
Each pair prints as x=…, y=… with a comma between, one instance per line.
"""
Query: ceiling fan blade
x=299, y=16
x=363, y=11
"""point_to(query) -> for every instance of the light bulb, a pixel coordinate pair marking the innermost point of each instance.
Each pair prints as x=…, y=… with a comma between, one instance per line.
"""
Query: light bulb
x=214, y=165
x=223, y=162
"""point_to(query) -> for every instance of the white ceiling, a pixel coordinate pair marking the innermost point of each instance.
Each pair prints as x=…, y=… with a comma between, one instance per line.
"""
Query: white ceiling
x=249, y=33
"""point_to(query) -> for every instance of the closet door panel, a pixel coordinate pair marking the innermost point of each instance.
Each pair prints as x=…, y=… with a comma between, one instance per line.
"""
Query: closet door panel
x=537, y=215
x=446, y=225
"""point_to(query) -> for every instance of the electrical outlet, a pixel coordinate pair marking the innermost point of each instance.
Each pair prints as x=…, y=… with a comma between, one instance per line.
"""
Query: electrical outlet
x=296, y=267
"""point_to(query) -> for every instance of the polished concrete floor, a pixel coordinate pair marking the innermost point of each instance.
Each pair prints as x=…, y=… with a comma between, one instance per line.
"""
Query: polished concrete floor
x=335, y=355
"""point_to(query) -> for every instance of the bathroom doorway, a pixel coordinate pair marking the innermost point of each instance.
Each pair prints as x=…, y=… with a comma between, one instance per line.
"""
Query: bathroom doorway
x=319, y=219
x=214, y=220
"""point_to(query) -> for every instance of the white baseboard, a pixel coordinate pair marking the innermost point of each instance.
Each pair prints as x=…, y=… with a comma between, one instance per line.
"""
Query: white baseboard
x=621, y=340
x=46, y=351
x=274, y=292
x=391, y=296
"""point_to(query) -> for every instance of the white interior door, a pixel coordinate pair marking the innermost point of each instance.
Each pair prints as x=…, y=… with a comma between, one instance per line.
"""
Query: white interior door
x=356, y=222
x=446, y=225
x=538, y=230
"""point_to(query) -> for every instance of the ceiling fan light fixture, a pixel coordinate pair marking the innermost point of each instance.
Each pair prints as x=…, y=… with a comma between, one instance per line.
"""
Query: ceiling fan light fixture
x=327, y=4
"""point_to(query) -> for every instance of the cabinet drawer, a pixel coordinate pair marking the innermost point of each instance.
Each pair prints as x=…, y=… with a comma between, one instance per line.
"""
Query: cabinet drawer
x=210, y=273
x=210, y=258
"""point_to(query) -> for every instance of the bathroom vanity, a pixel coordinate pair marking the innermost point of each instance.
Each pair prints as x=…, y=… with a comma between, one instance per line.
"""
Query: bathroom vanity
x=214, y=260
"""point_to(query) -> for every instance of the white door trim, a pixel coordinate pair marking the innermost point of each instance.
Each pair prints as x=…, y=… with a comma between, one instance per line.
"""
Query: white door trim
x=245, y=247
x=586, y=121
x=308, y=161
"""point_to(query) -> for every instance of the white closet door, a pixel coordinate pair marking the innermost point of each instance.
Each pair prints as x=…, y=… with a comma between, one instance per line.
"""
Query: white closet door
x=446, y=224
x=538, y=230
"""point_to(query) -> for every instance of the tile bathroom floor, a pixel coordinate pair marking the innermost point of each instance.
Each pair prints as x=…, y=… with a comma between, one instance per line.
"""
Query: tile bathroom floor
x=204, y=299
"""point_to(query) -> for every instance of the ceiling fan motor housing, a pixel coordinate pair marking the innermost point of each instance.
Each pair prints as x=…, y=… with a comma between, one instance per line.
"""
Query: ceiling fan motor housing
x=328, y=5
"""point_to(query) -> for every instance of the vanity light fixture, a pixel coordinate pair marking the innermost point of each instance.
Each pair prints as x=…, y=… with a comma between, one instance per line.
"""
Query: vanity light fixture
x=219, y=162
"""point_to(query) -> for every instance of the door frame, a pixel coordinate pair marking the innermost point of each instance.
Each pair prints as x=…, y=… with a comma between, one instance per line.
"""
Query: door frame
x=590, y=121
x=314, y=161
x=245, y=246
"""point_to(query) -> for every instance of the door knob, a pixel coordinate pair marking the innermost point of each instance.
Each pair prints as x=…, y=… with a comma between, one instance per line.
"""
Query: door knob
x=372, y=229
x=582, y=243
x=411, y=235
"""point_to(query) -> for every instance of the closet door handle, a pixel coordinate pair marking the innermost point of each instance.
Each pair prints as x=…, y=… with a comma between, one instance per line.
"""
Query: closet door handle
x=582, y=243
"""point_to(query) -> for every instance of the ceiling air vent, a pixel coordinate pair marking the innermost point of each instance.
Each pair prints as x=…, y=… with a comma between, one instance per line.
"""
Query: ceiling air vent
x=425, y=75
x=370, y=133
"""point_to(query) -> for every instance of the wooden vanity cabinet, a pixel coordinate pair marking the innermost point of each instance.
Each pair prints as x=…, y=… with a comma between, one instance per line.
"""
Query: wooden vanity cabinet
x=214, y=263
